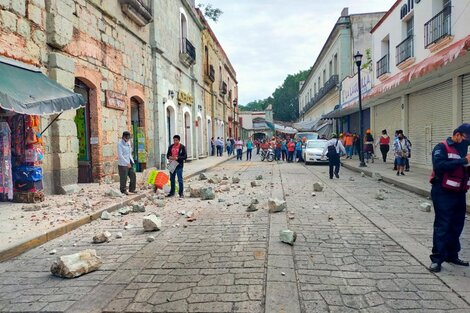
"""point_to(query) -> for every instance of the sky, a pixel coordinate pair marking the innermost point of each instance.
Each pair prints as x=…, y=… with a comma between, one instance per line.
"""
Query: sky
x=266, y=40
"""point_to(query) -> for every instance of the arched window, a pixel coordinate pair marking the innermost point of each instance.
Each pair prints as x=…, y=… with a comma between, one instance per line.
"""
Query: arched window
x=183, y=30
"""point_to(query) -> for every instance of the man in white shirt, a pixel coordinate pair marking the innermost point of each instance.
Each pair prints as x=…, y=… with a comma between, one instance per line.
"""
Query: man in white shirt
x=332, y=150
x=126, y=164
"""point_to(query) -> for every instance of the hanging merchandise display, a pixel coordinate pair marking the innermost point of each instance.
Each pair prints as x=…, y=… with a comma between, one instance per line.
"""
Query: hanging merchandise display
x=6, y=181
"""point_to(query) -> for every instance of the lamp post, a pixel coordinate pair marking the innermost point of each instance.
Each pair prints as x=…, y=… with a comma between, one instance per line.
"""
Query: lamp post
x=358, y=60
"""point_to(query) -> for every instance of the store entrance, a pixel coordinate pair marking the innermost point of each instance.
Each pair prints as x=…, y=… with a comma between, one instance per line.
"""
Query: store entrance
x=138, y=136
x=82, y=121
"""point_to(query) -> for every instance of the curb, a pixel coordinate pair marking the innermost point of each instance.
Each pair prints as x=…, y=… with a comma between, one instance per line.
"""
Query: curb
x=398, y=183
x=66, y=228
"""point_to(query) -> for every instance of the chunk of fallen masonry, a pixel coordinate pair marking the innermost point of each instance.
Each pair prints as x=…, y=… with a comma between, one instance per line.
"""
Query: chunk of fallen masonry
x=252, y=208
x=75, y=265
x=105, y=215
x=425, y=207
x=276, y=205
x=255, y=184
x=259, y=177
x=288, y=236
x=207, y=193
x=102, y=237
x=317, y=187
x=235, y=180
x=138, y=207
x=113, y=193
x=202, y=176
x=151, y=223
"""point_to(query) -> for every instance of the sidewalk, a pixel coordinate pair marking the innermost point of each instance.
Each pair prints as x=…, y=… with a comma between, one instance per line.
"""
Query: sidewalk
x=416, y=180
x=25, y=226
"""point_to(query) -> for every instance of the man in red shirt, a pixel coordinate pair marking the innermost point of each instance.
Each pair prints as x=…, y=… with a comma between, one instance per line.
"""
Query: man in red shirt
x=177, y=153
x=290, y=151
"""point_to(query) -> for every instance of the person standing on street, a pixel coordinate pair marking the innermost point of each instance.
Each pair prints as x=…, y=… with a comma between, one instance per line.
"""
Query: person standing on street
x=407, y=163
x=239, y=147
x=290, y=151
x=369, y=147
x=401, y=153
x=249, y=149
x=212, y=146
x=333, y=149
x=298, y=151
x=126, y=164
x=284, y=149
x=348, y=145
x=219, y=144
x=177, y=152
x=450, y=182
x=384, y=144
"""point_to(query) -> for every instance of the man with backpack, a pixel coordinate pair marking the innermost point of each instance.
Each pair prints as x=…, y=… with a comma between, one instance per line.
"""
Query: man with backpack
x=332, y=150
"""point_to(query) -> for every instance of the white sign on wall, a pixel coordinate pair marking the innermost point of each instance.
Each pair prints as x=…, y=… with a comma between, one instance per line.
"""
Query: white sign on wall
x=349, y=87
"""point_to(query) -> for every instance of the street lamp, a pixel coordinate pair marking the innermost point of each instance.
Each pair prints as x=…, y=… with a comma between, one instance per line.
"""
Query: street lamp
x=358, y=60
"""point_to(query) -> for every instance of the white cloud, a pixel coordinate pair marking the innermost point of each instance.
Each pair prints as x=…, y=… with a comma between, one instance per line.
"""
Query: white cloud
x=268, y=39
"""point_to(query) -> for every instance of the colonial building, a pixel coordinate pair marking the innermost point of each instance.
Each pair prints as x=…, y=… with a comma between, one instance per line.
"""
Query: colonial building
x=320, y=93
x=220, y=88
x=101, y=52
x=422, y=72
x=177, y=53
x=257, y=125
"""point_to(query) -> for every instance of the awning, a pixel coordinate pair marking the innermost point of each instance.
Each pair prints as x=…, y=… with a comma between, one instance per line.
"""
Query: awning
x=337, y=113
x=26, y=90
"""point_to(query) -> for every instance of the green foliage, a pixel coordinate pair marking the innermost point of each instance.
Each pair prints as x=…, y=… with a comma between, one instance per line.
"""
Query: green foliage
x=284, y=99
x=367, y=65
x=210, y=12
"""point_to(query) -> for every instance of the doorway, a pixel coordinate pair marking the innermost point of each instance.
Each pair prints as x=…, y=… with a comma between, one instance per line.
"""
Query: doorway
x=187, y=133
x=138, y=136
x=82, y=121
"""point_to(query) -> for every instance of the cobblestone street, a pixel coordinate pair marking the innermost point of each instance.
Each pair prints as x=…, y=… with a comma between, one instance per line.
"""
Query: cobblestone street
x=353, y=253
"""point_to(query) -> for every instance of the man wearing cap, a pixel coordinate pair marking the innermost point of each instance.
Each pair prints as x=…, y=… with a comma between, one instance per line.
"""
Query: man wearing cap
x=126, y=164
x=450, y=182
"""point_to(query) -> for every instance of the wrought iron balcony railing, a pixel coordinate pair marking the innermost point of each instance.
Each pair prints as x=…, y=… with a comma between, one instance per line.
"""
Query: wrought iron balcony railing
x=405, y=50
x=188, y=52
x=329, y=85
x=438, y=27
x=383, y=65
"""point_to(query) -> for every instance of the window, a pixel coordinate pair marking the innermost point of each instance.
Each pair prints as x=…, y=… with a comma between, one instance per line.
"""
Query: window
x=183, y=30
x=335, y=64
x=324, y=76
x=410, y=27
x=319, y=83
x=206, y=54
x=331, y=68
x=315, y=88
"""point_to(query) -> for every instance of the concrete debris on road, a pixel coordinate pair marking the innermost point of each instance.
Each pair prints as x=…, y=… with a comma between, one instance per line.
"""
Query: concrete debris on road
x=379, y=195
x=52, y=252
x=255, y=184
x=252, y=208
x=225, y=177
x=150, y=238
x=235, y=180
x=102, y=237
x=377, y=176
x=254, y=201
x=330, y=218
x=105, y=215
x=259, y=177
x=125, y=210
x=77, y=264
x=214, y=180
x=194, y=192
x=276, y=205
x=317, y=187
x=288, y=236
x=202, y=176
x=207, y=193
x=118, y=235
x=31, y=207
x=314, y=194
x=152, y=223
x=138, y=207
x=425, y=207
x=112, y=192
x=363, y=174
x=351, y=179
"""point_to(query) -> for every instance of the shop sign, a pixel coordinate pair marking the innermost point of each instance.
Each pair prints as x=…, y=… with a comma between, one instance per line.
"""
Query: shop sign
x=115, y=100
x=186, y=98
x=349, y=86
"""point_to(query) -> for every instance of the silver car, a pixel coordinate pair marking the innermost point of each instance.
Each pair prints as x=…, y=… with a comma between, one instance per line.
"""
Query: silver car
x=312, y=153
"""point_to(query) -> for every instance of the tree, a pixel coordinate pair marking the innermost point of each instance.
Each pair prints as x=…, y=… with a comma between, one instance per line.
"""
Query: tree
x=284, y=99
x=210, y=12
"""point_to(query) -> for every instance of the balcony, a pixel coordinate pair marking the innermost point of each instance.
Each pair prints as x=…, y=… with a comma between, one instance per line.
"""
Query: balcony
x=223, y=88
x=383, y=65
x=209, y=74
x=405, y=50
x=138, y=11
x=438, y=28
x=329, y=85
x=188, y=52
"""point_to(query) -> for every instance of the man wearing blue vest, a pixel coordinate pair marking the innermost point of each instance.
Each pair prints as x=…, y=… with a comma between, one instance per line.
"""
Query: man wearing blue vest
x=450, y=182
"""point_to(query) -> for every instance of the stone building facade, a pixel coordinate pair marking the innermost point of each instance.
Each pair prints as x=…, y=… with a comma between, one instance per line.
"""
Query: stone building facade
x=220, y=87
x=99, y=49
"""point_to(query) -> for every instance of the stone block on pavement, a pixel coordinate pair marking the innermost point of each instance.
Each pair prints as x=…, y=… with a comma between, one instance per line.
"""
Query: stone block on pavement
x=138, y=207
x=102, y=237
x=276, y=205
x=207, y=193
x=202, y=176
x=235, y=180
x=288, y=236
x=425, y=207
x=255, y=184
x=75, y=265
x=105, y=215
x=152, y=223
x=112, y=192
x=317, y=187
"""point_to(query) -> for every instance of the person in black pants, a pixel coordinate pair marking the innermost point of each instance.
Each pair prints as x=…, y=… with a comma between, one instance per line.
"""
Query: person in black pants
x=384, y=142
x=332, y=150
x=177, y=152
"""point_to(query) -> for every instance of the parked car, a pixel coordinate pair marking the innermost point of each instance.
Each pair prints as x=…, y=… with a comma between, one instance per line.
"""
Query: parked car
x=312, y=153
x=307, y=135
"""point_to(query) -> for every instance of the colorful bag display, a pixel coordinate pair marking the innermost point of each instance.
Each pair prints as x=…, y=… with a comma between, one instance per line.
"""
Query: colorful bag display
x=26, y=173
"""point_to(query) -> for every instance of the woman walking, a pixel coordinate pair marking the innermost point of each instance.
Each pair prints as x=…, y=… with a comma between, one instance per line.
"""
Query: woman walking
x=239, y=147
x=384, y=143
